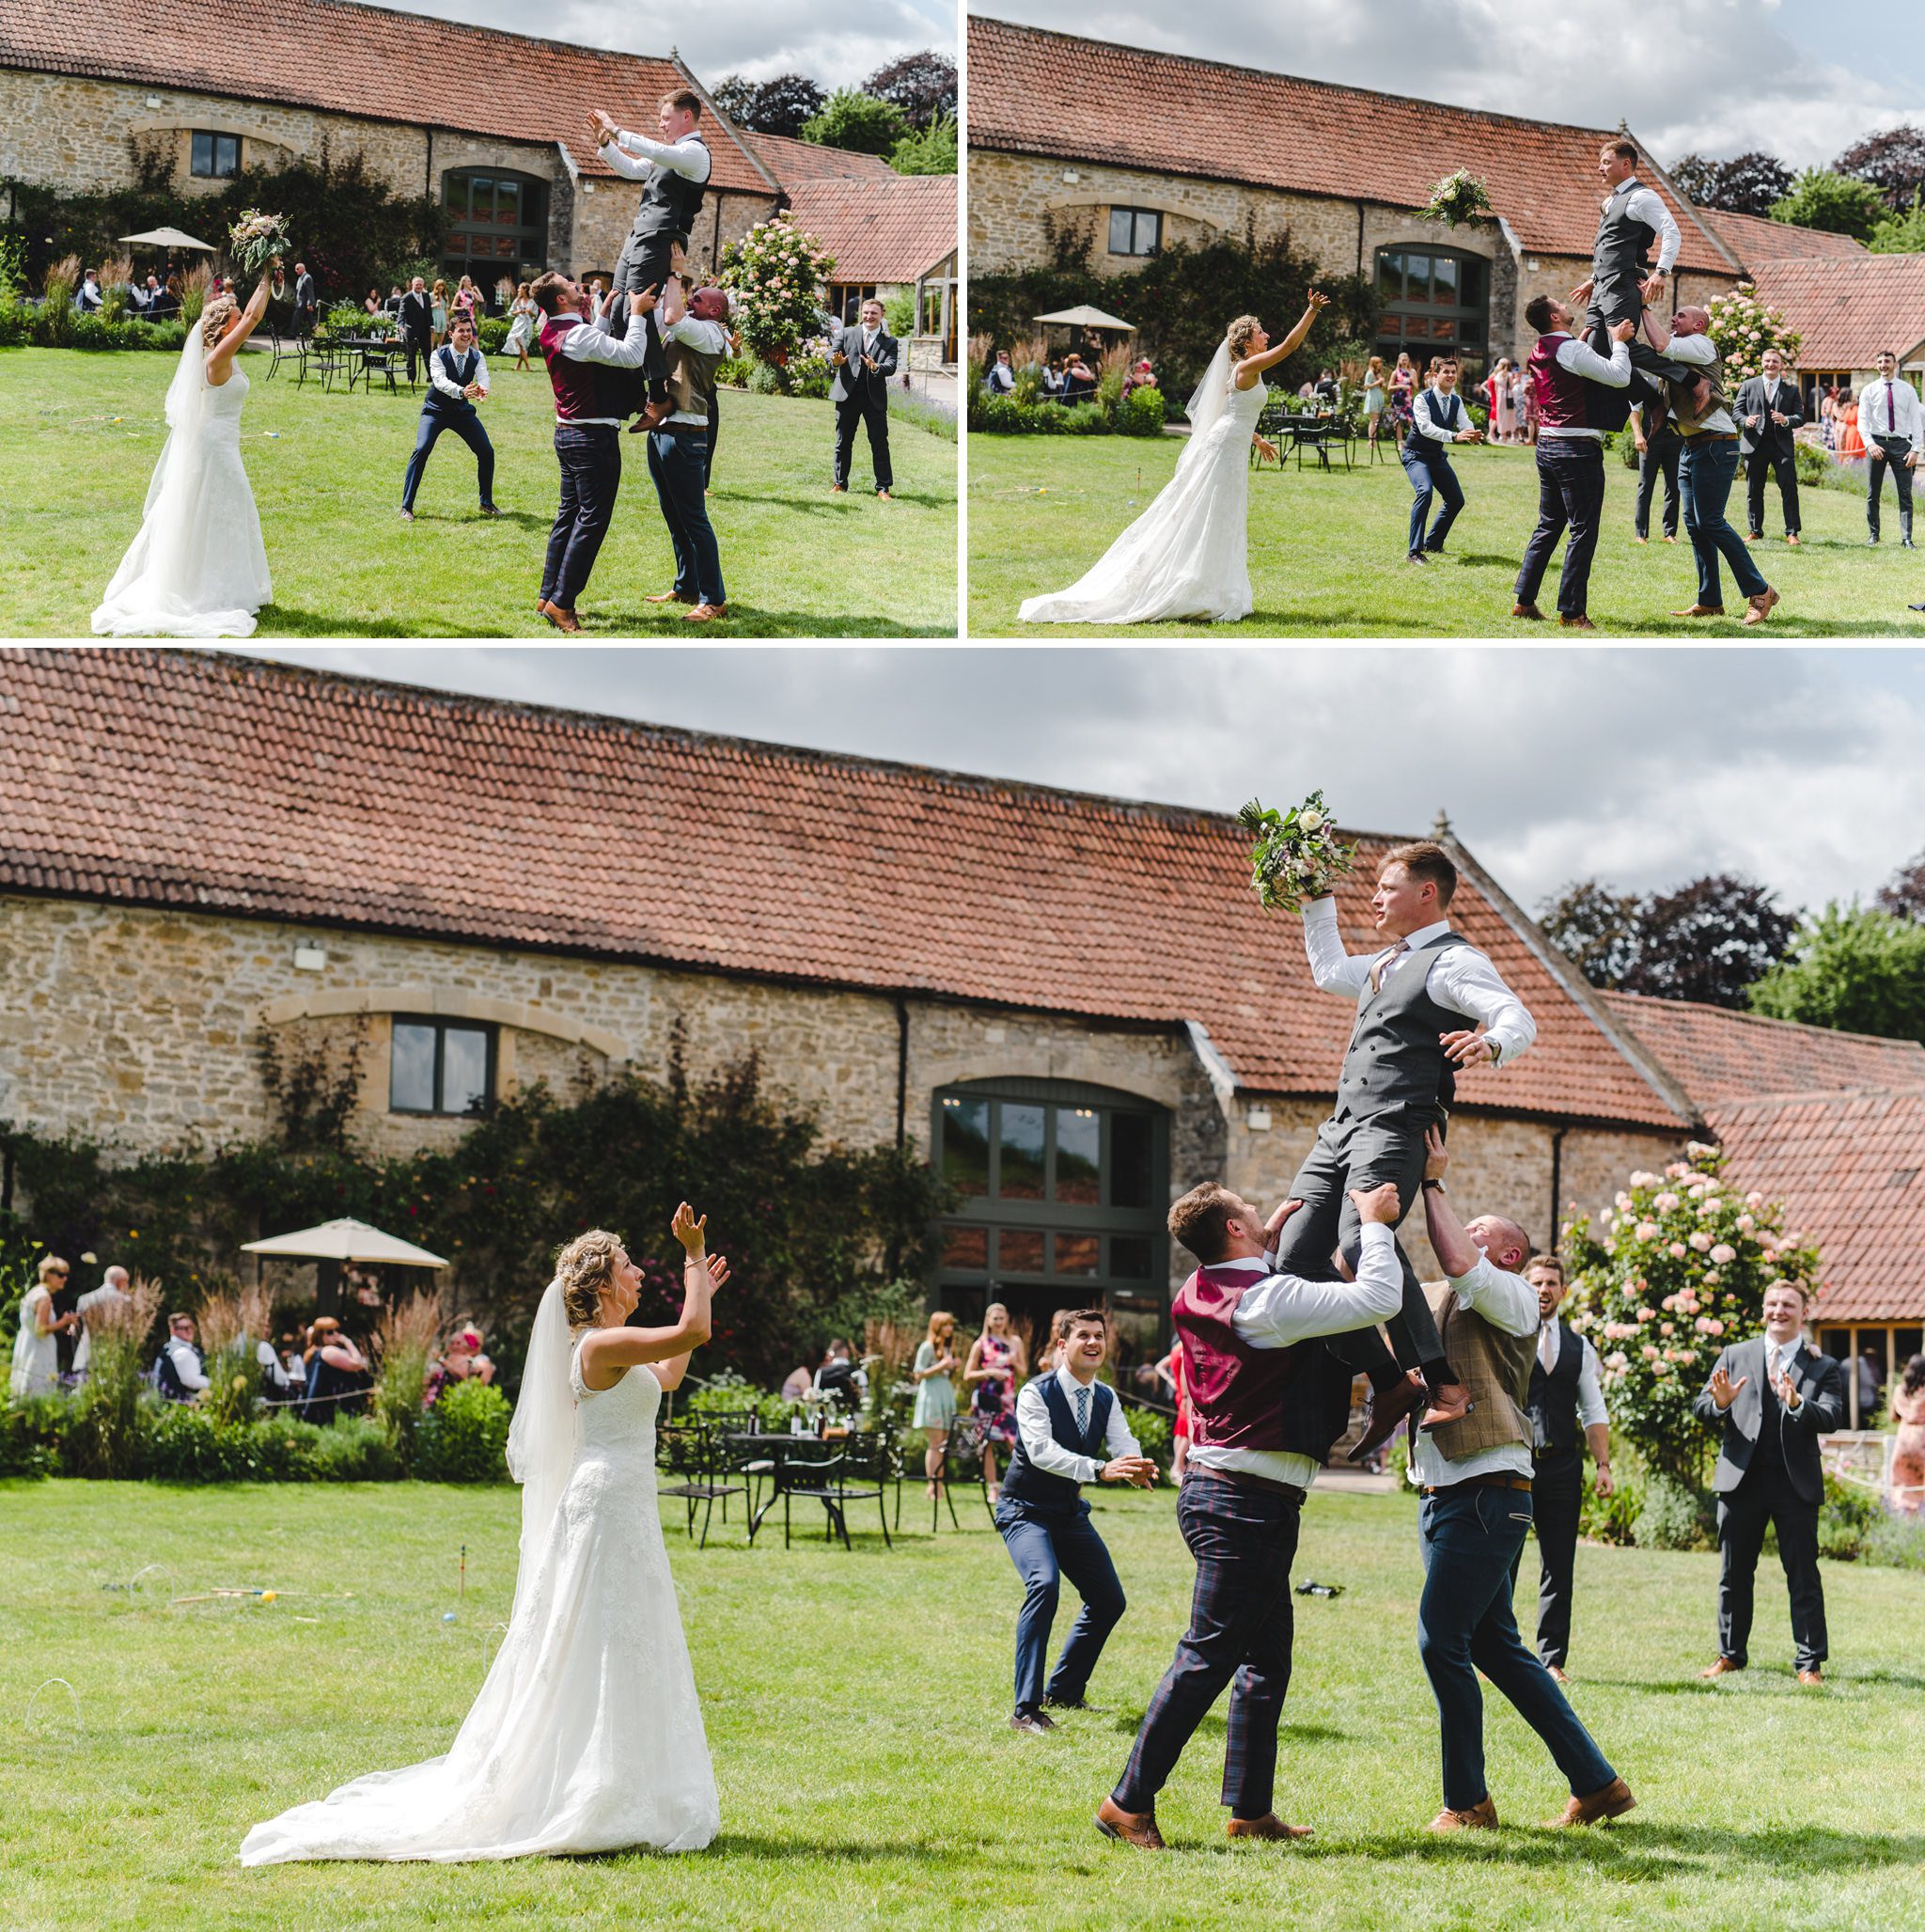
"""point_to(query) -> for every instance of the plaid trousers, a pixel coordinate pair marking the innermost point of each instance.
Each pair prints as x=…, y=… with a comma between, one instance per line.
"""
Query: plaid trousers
x=1244, y=1541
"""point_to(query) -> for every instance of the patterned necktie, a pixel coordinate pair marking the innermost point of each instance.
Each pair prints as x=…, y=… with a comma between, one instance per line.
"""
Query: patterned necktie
x=1083, y=1413
x=1382, y=965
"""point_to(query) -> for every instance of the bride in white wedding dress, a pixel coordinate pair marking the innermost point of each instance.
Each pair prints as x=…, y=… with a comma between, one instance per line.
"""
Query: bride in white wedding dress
x=588, y=1734
x=197, y=567
x=1188, y=554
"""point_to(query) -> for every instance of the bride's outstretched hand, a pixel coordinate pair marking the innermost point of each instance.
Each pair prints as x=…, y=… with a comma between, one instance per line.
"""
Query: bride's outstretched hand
x=718, y=1270
x=691, y=1232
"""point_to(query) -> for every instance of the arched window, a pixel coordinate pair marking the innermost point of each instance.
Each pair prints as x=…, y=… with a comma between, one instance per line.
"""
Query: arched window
x=1064, y=1189
x=1433, y=301
x=497, y=223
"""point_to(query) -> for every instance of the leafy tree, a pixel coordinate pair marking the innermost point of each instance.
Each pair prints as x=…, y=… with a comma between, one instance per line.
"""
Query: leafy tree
x=1901, y=234
x=1745, y=184
x=1893, y=162
x=1903, y=894
x=1708, y=940
x=923, y=85
x=1838, y=204
x=769, y=107
x=1854, y=967
x=930, y=152
x=857, y=121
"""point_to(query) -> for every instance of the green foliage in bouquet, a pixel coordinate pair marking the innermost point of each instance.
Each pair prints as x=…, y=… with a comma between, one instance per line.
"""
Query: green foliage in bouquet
x=1678, y=1271
x=1458, y=197
x=255, y=239
x=1297, y=855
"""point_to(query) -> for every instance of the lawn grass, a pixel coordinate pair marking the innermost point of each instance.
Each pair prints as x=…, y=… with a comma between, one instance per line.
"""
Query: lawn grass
x=79, y=434
x=1327, y=548
x=855, y=1705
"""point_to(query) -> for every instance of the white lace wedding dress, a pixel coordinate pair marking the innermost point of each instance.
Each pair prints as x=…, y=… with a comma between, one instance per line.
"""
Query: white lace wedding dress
x=588, y=1734
x=1188, y=554
x=197, y=567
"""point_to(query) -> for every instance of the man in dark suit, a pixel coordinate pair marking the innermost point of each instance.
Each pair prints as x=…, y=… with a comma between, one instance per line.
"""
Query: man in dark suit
x=1769, y=409
x=417, y=323
x=1772, y=1398
x=305, y=299
x=1658, y=452
x=864, y=359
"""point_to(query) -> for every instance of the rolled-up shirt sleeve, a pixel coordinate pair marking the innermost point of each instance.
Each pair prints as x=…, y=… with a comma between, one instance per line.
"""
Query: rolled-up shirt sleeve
x=186, y=1365
x=1507, y=1302
x=1590, y=1390
x=1281, y=1309
x=1695, y=349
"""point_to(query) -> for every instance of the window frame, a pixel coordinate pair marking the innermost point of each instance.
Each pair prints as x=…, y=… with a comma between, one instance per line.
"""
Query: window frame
x=466, y=229
x=1459, y=328
x=441, y=1025
x=1136, y=217
x=213, y=171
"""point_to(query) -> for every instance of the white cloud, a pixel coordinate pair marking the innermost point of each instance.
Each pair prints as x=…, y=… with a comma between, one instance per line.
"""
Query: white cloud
x=1716, y=76
x=1640, y=767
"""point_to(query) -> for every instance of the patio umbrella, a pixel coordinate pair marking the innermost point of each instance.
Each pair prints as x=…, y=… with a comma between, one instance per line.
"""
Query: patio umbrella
x=346, y=1240
x=168, y=238
x=1084, y=316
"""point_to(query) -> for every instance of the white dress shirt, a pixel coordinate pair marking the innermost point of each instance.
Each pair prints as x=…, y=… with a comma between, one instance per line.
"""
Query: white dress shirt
x=1277, y=1309
x=637, y=157
x=1509, y=1304
x=1701, y=350
x=1039, y=1439
x=1590, y=1389
x=1581, y=359
x=1648, y=206
x=589, y=341
x=1429, y=426
x=186, y=1361
x=438, y=375
x=1463, y=980
x=1897, y=400
x=1002, y=379
x=710, y=338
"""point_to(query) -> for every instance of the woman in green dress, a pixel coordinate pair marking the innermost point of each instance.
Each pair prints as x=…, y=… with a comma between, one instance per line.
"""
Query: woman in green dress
x=935, y=1394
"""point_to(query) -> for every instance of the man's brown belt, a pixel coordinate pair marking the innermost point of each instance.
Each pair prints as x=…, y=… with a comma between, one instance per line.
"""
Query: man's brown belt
x=1498, y=1479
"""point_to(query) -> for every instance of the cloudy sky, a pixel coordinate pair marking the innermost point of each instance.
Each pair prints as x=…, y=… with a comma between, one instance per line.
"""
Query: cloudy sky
x=1803, y=79
x=1642, y=767
x=838, y=47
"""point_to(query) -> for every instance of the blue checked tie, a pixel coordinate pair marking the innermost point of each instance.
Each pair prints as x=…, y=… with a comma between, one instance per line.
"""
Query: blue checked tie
x=1083, y=1413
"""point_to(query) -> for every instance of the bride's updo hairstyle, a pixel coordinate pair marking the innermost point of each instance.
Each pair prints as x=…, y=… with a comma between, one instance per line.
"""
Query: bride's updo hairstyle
x=1239, y=334
x=215, y=317
x=583, y=1268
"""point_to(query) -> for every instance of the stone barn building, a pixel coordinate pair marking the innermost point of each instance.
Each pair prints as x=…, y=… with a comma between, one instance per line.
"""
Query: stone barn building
x=1131, y=150
x=1071, y=1003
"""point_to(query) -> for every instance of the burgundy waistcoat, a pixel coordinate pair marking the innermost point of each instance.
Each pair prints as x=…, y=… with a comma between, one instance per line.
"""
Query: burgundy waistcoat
x=1563, y=397
x=1236, y=1391
x=578, y=385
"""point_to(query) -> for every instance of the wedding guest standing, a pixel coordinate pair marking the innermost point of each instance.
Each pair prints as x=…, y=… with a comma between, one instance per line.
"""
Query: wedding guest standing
x=1657, y=456
x=37, y=1340
x=437, y=312
x=524, y=323
x=577, y=348
x=111, y=1294
x=995, y=1365
x=1070, y=1431
x=1907, y=1489
x=1892, y=425
x=1565, y=1397
x=1769, y=410
x=935, y=1394
x=1771, y=1399
x=417, y=325
x=1403, y=385
x=1375, y=393
x=305, y=299
x=1850, y=445
x=864, y=359
x=456, y=381
x=1438, y=420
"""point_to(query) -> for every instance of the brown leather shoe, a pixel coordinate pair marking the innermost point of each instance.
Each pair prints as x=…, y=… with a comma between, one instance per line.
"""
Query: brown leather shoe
x=1527, y=610
x=1579, y=622
x=1481, y=1816
x=1760, y=607
x=1613, y=1801
x=1035, y=1722
x=1557, y=1674
x=1388, y=1407
x=1793, y=538
x=1132, y=1828
x=704, y=613
x=1723, y=1668
x=1701, y=610
x=562, y=619
x=1811, y=1677
x=1268, y=1826
x=1450, y=1403
x=668, y=597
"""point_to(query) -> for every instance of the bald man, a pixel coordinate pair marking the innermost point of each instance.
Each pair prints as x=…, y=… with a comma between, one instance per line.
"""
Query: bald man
x=1476, y=1477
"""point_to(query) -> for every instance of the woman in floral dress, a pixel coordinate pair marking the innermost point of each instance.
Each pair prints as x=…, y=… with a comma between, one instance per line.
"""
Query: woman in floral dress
x=997, y=1360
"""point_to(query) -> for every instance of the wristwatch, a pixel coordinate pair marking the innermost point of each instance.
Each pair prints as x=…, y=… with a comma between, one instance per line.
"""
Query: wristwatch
x=1429, y=1185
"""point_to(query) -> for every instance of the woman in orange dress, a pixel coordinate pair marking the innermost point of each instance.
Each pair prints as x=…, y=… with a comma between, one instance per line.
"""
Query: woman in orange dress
x=1908, y=1453
x=1850, y=444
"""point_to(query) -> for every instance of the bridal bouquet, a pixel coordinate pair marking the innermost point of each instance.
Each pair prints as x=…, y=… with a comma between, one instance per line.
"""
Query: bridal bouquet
x=1297, y=855
x=1458, y=197
x=257, y=238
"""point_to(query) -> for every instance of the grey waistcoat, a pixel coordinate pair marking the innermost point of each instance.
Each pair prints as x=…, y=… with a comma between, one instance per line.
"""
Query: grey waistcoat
x=1394, y=1060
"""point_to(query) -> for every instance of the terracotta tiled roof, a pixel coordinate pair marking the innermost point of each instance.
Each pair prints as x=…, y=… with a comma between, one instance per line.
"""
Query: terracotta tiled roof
x=1719, y=1056
x=1848, y=310
x=795, y=162
x=1754, y=239
x=879, y=231
x=350, y=58
x=1849, y=1168
x=174, y=778
x=1033, y=92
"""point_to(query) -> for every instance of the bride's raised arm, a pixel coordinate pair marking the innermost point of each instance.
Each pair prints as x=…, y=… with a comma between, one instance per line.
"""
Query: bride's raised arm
x=1256, y=364
x=667, y=1351
x=220, y=358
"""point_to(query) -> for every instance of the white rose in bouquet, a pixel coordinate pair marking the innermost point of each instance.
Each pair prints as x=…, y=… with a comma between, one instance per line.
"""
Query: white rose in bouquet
x=1297, y=855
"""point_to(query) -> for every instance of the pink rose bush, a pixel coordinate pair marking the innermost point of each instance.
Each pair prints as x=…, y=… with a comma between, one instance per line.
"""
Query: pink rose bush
x=775, y=276
x=1679, y=1245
